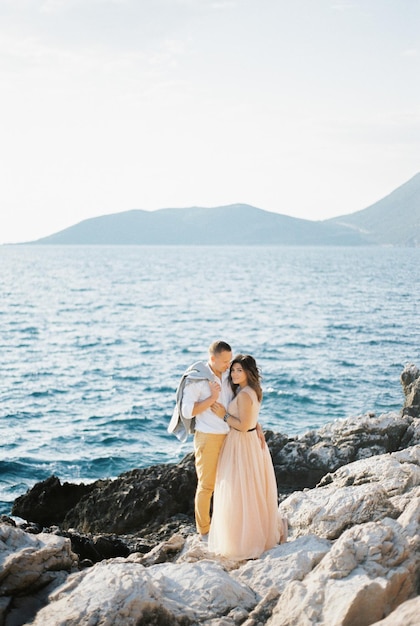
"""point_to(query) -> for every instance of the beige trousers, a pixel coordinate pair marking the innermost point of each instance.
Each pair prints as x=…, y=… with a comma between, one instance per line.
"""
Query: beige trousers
x=207, y=448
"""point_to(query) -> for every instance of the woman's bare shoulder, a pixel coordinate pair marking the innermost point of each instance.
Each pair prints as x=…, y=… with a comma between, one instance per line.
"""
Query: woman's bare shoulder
x=249, y=393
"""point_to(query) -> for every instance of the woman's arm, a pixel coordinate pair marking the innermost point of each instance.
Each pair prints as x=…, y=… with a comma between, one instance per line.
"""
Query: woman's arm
x=235, y=422
x=241, y=422
x=245, y=416
x=261, y=437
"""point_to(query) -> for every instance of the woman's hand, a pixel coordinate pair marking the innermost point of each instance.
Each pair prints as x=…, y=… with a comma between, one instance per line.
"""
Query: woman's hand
x=261, y=437
x=219, y=409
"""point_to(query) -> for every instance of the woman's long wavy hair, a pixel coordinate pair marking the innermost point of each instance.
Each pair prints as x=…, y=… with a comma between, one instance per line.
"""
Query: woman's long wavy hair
x=249, y=365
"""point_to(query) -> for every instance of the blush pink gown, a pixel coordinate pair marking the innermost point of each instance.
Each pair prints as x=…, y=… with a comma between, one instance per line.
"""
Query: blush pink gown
x=245, y=520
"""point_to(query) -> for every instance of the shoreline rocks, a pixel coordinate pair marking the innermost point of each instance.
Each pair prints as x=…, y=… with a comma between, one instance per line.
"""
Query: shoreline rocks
x=144, y=501
x=350, y=492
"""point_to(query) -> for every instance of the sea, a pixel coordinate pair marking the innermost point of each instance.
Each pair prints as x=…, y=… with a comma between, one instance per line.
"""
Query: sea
x=94, y=340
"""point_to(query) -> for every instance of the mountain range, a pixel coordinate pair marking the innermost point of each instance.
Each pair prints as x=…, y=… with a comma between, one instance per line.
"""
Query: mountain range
x=392, y=221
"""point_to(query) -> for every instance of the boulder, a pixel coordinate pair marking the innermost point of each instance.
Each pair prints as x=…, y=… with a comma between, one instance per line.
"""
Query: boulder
x=125, y=593
x=407, y=614
x=366, y=490
x=30, y=567
x=371, y=569
x=303, y=461
x=410, y=380
x=137, y=501
x=27, y=562
x=48, y=501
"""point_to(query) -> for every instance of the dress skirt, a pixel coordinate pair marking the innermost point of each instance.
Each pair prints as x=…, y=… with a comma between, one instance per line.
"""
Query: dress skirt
x=245, y=520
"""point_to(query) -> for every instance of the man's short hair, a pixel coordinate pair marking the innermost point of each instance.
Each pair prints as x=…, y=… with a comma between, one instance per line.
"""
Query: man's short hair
x=219, y=346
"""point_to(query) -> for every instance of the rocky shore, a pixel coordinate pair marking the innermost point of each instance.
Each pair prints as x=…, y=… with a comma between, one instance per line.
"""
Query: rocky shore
x=124, y=552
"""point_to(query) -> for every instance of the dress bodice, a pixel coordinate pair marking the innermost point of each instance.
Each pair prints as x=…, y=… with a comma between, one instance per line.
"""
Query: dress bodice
x=234, y=410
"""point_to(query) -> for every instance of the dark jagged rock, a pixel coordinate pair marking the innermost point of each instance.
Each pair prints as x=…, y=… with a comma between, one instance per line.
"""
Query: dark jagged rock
x=48, y=501
x=301, y=462
x=142, y=501
x=96, y=548
x=136, y=501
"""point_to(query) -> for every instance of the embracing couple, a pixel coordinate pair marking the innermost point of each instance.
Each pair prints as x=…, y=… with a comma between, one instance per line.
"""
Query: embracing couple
x=219, y=401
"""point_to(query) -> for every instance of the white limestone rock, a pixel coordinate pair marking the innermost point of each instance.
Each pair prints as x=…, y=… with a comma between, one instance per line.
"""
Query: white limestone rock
x=23, y=608
x=396, y=472
x=278, y=566
x=29, y=562
x=369, y=571
x=357, y=493
x=407, y=614
x=352, y=559
x=119, y=592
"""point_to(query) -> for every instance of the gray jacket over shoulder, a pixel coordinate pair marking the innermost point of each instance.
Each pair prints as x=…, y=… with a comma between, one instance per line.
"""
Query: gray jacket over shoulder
x=179, y=425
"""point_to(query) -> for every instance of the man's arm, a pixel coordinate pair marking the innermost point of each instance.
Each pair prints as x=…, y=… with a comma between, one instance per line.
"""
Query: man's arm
x=191, y=406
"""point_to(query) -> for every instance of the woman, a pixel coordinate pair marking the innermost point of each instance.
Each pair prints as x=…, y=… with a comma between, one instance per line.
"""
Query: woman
x=245, y=520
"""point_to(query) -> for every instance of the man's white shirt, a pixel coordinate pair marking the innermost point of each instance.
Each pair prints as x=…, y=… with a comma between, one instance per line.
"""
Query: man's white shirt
x=196, y=391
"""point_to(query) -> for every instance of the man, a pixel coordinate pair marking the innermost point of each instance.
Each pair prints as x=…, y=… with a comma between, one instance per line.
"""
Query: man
x=210, y=430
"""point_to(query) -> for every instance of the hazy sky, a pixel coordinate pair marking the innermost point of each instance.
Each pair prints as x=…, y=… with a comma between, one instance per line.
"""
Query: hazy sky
x=310, y=108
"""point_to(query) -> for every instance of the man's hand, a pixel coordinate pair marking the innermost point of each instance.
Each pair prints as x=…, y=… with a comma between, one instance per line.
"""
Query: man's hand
x=214, y=389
